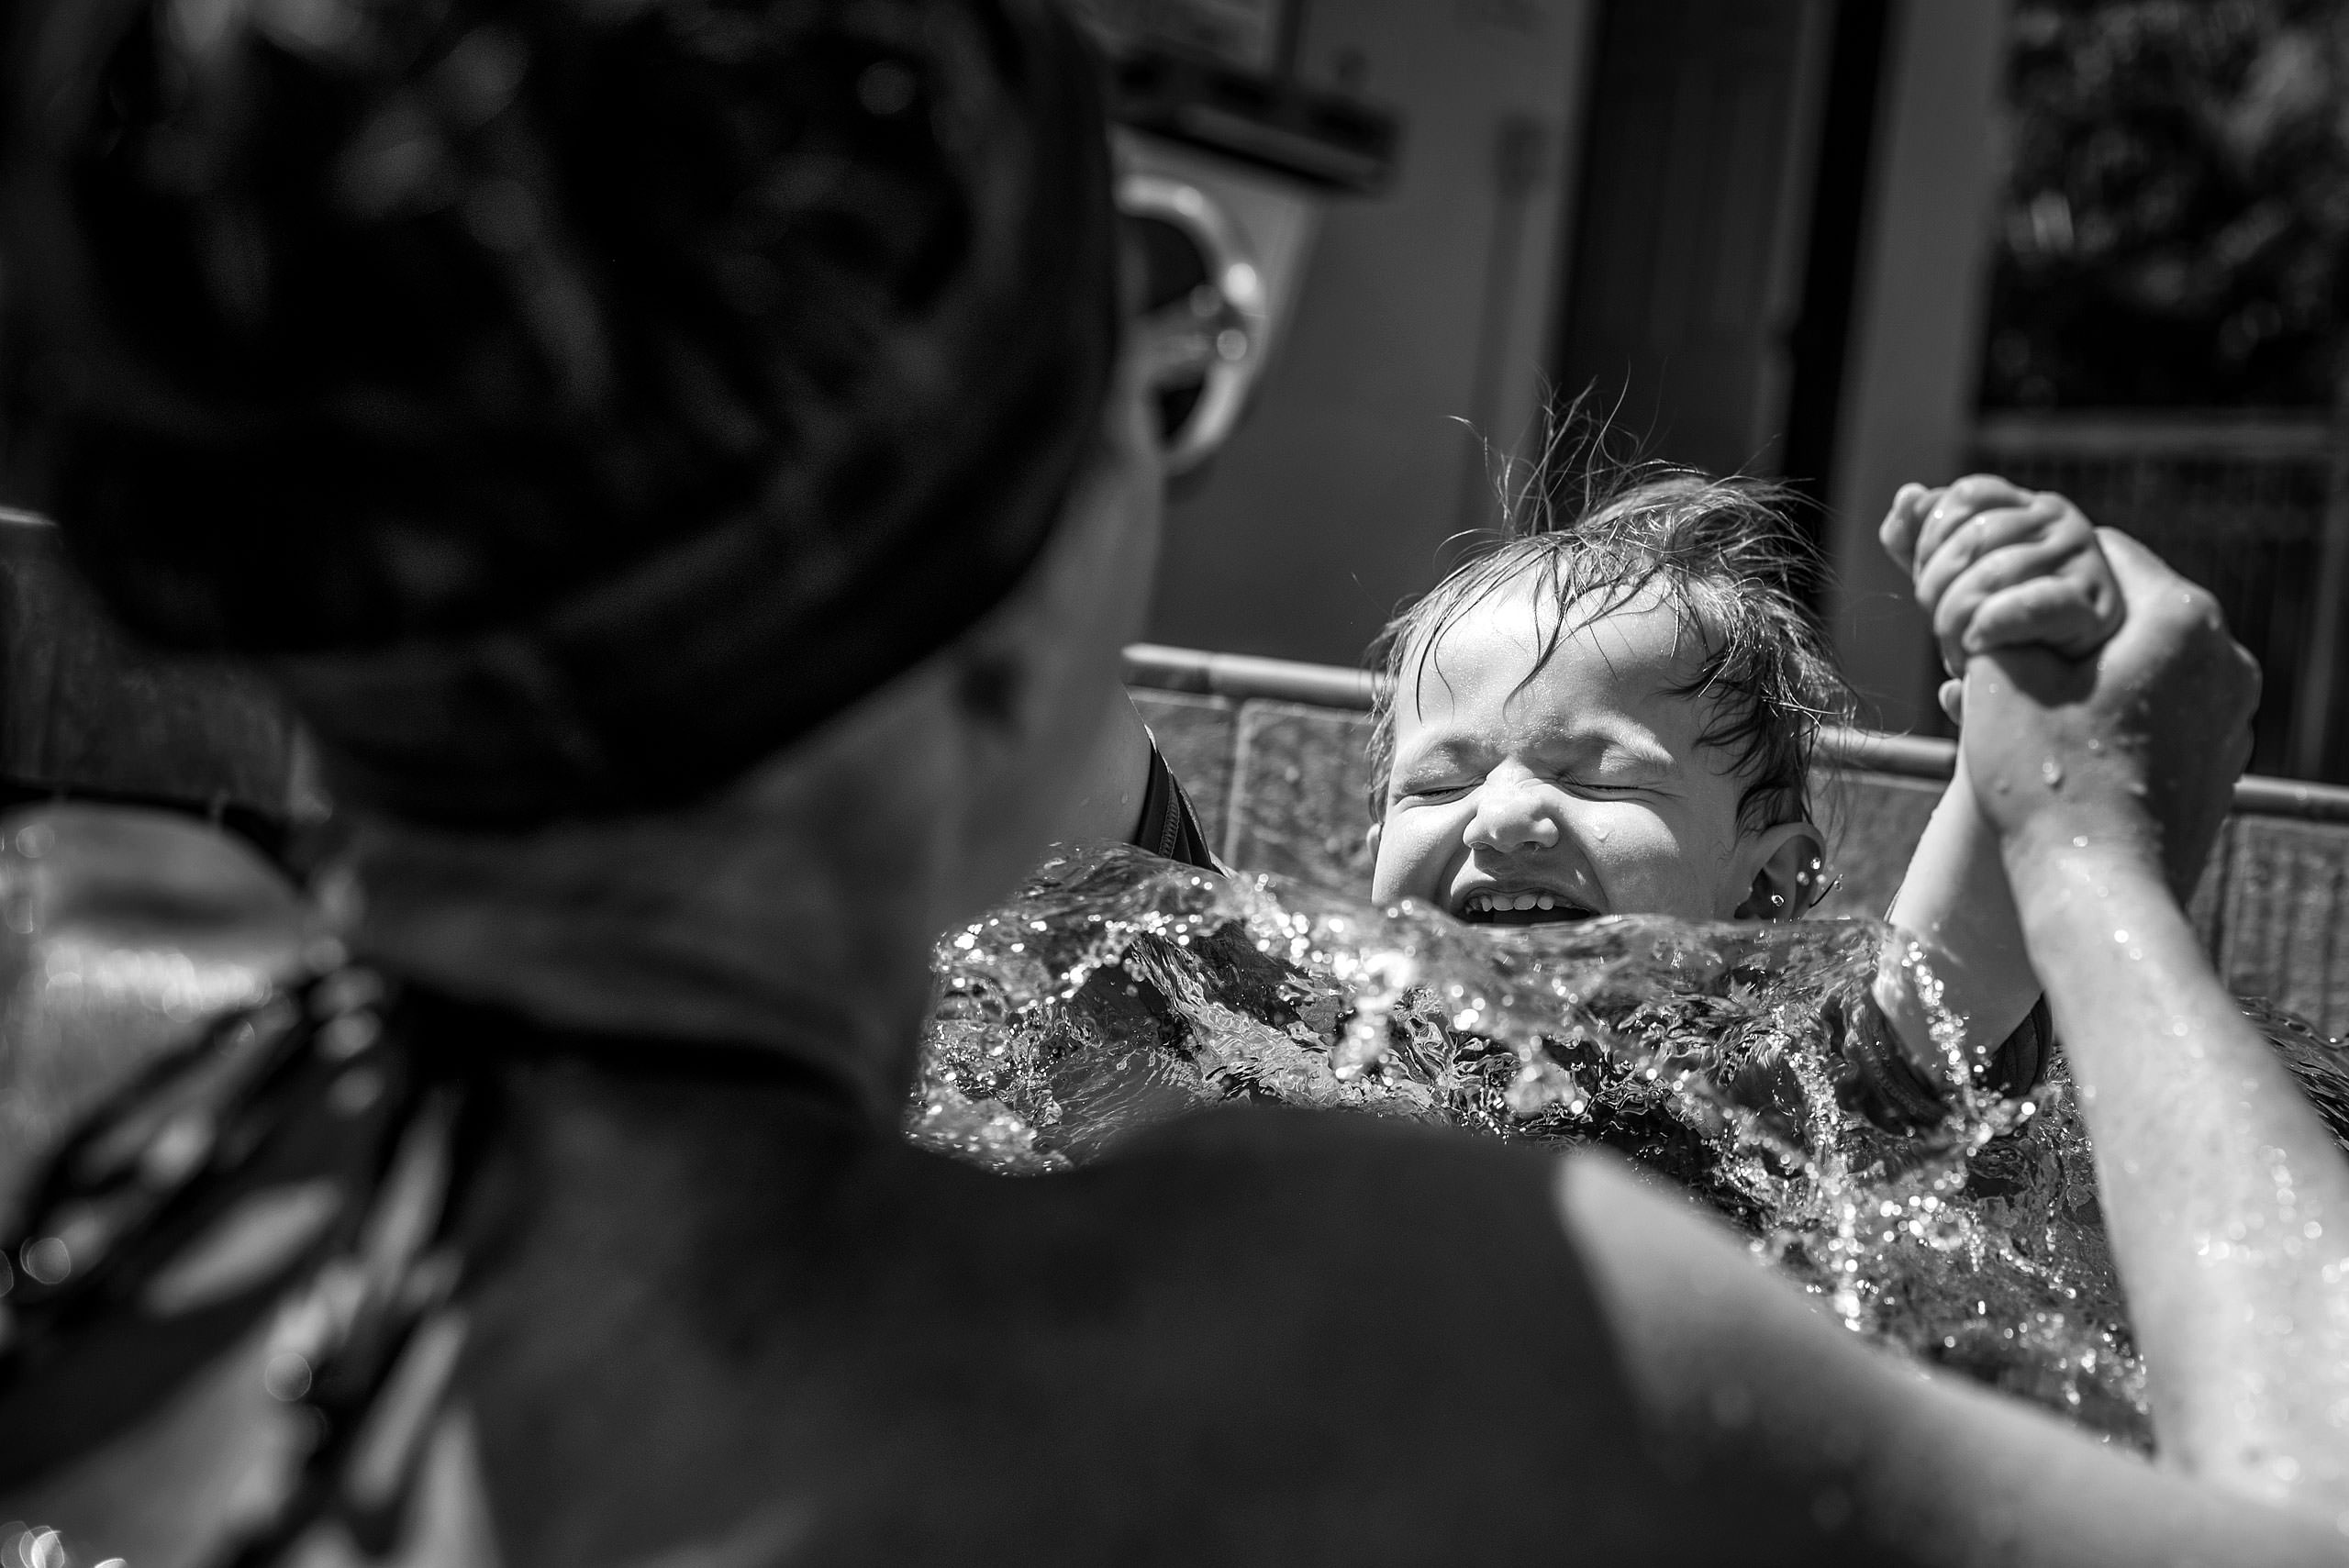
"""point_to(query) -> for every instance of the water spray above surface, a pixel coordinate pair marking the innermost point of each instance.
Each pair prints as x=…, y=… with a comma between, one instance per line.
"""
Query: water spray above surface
x=1120, y=991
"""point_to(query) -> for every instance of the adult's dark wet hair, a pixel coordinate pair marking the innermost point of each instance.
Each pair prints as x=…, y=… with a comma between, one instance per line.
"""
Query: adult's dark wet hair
x=572, y=401
x=1589, y=533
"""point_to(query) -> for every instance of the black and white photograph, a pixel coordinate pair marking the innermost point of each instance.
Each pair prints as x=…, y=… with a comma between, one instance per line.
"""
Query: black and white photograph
x=860, y=783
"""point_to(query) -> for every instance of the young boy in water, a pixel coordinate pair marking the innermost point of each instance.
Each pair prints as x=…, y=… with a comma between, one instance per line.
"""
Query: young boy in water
x=1615, y=712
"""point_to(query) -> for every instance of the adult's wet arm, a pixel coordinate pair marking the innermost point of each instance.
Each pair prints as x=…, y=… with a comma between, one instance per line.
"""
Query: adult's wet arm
x=2226, y=1199
x=1735, y=1372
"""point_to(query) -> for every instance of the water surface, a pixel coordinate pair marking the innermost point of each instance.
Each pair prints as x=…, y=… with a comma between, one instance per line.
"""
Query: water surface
x=1119, y=990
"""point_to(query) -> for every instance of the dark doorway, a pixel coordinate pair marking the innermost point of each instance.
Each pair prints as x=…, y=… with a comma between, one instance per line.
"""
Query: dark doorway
x=1714, y=252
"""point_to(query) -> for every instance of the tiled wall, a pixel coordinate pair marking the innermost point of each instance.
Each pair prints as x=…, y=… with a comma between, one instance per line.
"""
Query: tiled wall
x=2284, y=922
x=1280, y=786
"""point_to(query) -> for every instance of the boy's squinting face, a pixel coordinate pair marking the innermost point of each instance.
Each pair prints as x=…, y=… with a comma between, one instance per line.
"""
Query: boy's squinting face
x=1520, y=796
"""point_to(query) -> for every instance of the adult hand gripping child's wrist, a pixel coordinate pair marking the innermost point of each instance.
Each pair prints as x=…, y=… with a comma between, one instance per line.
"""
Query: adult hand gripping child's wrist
x=1994, y=566
x=2133, y=752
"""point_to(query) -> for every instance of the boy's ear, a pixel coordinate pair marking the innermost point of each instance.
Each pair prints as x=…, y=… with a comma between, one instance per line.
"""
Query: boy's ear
x=1788, y=861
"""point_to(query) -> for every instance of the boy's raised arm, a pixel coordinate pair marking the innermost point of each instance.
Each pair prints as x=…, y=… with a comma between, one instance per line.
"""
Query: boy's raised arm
x=1955, y=896
x=1995, y=565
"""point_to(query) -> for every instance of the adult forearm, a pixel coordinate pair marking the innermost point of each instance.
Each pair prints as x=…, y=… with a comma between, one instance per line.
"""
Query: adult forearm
x=2227, y=1200
x=1733, y=1369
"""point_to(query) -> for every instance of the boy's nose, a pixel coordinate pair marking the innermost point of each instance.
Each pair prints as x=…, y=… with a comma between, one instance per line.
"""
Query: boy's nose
x=1513, y=815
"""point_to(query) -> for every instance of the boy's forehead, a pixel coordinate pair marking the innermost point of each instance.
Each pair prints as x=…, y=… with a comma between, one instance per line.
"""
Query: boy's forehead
x=1637, y=647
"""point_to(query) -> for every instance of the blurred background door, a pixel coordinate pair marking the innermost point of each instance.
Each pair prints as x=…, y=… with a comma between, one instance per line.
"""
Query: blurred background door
x=1690, y=237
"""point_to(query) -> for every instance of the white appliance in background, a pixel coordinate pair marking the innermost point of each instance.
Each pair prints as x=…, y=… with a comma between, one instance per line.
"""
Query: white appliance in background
x=1226, y=246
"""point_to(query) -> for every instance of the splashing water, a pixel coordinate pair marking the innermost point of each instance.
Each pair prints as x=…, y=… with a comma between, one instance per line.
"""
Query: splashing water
x=1119, y=990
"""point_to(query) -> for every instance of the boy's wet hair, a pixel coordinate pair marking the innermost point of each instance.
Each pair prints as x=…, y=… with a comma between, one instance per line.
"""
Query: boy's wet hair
x=1593, y=534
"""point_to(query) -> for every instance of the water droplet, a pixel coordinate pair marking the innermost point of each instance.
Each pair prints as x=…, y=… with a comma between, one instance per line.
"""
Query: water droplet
x=47, y=1259
x=347, y=1036
x=355, y=1092
x=288, y=1376
x=886, y=88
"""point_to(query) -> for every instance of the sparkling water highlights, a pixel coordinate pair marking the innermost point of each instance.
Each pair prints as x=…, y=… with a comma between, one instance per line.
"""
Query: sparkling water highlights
x=1120, y=991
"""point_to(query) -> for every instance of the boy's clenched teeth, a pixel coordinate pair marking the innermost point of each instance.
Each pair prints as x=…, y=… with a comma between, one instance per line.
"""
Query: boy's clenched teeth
x=1520, y=908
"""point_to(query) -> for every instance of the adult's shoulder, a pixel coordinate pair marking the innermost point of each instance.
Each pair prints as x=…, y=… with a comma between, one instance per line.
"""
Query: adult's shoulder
x=1250, y=1337
x=1242, y=1198
x=1372, y=1335
x=1381, y=1190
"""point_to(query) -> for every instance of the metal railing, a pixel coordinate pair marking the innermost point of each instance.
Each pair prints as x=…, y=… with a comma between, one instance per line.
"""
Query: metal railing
x=1242, y=677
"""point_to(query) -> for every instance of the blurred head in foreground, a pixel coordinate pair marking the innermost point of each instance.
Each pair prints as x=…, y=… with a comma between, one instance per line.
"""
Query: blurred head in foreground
x=575, y=404
x=675, y=453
